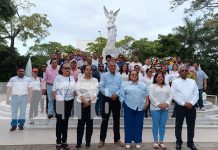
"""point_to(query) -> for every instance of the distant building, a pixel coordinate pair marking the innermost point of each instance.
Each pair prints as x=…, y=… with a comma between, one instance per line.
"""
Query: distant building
x=82, y=44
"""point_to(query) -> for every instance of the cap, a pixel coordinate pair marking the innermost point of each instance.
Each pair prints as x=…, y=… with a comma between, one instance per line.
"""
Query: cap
x=183, y=67
x=73, y=60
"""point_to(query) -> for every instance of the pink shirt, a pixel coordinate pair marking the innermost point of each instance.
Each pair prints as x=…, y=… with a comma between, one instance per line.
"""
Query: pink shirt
x=51, y=74
x=75, y=73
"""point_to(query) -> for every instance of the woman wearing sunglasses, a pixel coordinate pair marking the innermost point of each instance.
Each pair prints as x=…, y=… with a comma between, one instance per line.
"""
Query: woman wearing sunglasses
x=63, y=92
x=134, y=96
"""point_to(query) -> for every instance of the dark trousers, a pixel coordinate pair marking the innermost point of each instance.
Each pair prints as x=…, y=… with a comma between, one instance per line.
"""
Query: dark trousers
x=85, y=120
x=36, y=98
x=190, y=115
x=98, y=109
x=109, y=106
x=63, y=111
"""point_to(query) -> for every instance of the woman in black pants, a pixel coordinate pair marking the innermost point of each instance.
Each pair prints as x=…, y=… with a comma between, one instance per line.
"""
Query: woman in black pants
x=87, y=90
x=63, y=93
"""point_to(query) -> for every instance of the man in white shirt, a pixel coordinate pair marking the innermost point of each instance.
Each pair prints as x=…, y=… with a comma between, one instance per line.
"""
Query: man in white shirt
x=19, y=87
x=147, y=65
x=185, y=94
x=134, y=62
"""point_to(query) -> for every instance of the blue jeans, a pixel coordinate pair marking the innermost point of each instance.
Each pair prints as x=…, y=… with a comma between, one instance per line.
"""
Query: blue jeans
x=133, y=124
x=18, y=102
x=50, y=100
x=159, y=119
x=200, y=103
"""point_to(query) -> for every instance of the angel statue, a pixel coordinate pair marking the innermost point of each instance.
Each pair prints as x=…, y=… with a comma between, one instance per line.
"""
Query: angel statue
x=112, y=30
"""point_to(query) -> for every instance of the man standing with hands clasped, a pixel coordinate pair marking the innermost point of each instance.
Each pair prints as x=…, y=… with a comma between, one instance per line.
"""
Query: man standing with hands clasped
x=185, y=94
x=110, y=85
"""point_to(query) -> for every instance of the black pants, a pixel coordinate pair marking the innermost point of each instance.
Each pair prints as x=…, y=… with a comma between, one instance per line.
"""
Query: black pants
x=85, y=119
x=36, y=98
x=63, y=111
x=107, y=106
x=190, y=115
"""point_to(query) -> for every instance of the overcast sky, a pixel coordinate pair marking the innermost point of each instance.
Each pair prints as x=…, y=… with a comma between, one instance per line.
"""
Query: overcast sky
x=82, y=19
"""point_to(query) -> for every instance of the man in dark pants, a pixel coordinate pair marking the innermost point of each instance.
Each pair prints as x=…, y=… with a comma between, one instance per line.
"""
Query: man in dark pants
x=185, y=94
x=110, y=87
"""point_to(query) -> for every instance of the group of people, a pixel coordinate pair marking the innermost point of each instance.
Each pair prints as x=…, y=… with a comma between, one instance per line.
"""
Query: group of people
x=99, y=88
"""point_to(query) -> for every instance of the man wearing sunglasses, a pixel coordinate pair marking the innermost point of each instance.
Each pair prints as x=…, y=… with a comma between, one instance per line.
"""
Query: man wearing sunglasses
x=185, y=94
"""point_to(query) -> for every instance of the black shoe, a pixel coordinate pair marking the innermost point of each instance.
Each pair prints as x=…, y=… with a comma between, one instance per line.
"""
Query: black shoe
x=192, y=146
x=13, y=129
x=21, y=128
x=58, y=147
x=88, y=145
x=50, y=116
x=65, y=146
x=178, y=147
x=78, y=146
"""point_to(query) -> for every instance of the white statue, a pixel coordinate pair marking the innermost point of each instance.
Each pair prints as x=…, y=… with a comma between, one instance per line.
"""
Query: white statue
x=110, y=48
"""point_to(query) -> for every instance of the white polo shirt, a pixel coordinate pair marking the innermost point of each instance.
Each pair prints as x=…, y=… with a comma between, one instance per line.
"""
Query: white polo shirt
x=19, y=85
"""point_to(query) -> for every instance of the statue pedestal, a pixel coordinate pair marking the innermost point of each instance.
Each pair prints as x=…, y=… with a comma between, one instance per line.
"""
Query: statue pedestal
x=113, y=52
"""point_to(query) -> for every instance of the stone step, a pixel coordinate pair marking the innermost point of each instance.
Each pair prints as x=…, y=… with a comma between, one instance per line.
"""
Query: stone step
x=40, y=123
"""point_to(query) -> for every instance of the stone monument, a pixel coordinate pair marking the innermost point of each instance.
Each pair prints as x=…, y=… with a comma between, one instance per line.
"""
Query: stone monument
x=110, y=48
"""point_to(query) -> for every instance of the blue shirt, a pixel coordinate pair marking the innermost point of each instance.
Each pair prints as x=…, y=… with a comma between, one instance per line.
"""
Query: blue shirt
x=134, y=95
x=110, y=84
x=201, y=76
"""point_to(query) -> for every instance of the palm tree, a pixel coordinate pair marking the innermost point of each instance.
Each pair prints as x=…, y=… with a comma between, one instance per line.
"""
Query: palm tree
x=191, y=36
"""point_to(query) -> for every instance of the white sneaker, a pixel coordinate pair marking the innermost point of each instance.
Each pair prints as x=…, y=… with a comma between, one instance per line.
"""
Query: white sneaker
x=127, y=146
x=138, y=146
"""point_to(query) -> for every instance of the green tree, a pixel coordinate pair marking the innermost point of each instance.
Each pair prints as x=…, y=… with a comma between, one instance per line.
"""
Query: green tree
x=49, y=48
x=206, y=6
x=97, y=46
x=191, y=36
x=7, y=9
x=168, y=45
x=25, y=27
x=144, y=48
x=124, y=45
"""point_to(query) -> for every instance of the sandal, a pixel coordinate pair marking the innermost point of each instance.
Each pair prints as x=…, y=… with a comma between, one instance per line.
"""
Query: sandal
x=163, y=146
x=155, y=145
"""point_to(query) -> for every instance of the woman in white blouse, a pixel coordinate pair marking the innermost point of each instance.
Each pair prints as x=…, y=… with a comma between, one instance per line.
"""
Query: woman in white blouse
x=174, y=74
x=148, y=78
x=63, y=92
x=160, y=97
x=124, y=72
x=87, y=89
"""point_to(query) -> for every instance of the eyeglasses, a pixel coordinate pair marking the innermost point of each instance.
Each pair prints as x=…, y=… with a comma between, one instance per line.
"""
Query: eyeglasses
x=67, y=68
x=184, y=70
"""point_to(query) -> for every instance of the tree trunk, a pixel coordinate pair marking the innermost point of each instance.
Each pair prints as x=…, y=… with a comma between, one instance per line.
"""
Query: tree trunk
x=12, y=49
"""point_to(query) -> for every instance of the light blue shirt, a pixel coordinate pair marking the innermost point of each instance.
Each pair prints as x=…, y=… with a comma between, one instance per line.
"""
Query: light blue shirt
x=110, y=84
x=134, y=95
x=201, y=76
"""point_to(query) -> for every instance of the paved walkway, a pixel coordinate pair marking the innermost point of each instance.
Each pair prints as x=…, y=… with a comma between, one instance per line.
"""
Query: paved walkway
x=35, y=139
x=145, y=146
